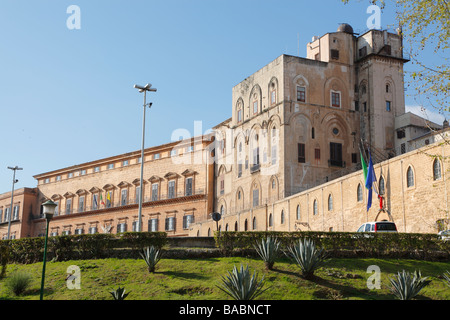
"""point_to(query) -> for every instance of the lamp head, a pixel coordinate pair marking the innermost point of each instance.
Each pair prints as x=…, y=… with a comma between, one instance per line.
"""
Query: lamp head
x=49, y=209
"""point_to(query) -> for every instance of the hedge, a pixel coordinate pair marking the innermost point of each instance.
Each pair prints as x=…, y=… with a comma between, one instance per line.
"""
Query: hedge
x=85, y=246
x=338, y=244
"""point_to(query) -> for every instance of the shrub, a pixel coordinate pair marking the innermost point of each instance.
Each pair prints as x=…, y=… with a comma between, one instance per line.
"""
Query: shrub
x=18, y=282
x=241, y=285
x=151, y=256
x=406, y=286
x=119, y=293
x=307, y=256
x=446, y=276
x=268, y=249
x=4, y=256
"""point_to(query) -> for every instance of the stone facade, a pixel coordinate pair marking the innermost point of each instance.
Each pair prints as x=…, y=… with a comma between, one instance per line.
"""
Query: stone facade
x=415, y=197
x=288, y=158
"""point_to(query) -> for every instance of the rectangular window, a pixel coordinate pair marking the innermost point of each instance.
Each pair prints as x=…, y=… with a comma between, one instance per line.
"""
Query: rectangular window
x=317, y=154
x=336, y=99
x=92, y=230
x=189, y=186
x=273, y=97
x=58, y=178
x=336, y=154
x=56, y=209
x=156, y=156
x=83, y=172
x=301, y=153
x=70, y=175
x=108, y=199
x=123, y=197
x=155, y=187
x=95, y=201
x=134, y=226
x=125, y=163
x=97, y=169
x=256, y=197
x=68, y=206
x=15, y=213
x=239, y=115
x=354, y=158
x=153, y=225
x=334, y=54
x=81, y=204
x=403, y=148
x=171, y=190
x=138, y=193
x=111, y=166
x=170, y=224
x=187, y=220
x=6, y=214
x=256, y=156
x=79, y=231
x=401, y=134
x=222, y=186
x=388, y=106
x=301, y=94
x=240, y=169
x=255, y=107
x=121, y=227
x=356, y=105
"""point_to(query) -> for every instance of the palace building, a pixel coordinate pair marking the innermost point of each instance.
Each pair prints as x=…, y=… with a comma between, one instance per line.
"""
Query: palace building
x=287, y=159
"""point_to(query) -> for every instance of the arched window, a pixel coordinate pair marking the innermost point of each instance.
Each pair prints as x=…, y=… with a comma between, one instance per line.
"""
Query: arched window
x=436, y=169
x=330, y=203
x=315, y=207
x=226, y=227
x=409, y=178
x=209, y=232
x=254, y=223
x=282, y=217
x=236, y=226
x=381, y=186
x=298, y=212
x=245, y=225
x=222, y=211
x=359, y=193
x=270, y=220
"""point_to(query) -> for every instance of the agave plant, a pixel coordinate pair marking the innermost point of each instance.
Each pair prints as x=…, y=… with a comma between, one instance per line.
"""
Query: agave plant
x=307, y=256
x=405, y=286
x=241, y=285
x=268, y=249
x=446, y=276
x=151, y=256
x=119, y=293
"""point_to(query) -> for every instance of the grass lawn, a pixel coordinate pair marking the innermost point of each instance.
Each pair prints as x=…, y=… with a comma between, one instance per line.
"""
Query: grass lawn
x=197, y=279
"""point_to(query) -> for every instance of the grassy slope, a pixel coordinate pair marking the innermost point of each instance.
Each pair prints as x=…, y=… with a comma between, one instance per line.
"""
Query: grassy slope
x=198, y=279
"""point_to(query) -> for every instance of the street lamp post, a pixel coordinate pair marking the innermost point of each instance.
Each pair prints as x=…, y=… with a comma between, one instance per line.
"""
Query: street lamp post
x=49, y=210
x=148, y=87
x=11, y=209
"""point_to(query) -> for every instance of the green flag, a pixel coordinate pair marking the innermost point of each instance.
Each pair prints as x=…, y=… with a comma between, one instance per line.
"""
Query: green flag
x=364, y=166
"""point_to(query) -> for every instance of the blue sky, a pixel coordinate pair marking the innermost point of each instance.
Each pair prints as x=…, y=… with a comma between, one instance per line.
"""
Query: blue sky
x=67, y=96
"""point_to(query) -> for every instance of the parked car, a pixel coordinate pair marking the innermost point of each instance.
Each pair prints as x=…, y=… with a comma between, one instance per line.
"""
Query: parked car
x=378, y=226
x=444, y=235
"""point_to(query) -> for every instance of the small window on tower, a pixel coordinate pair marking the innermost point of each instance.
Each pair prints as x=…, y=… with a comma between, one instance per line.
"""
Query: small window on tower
x=335, y=54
